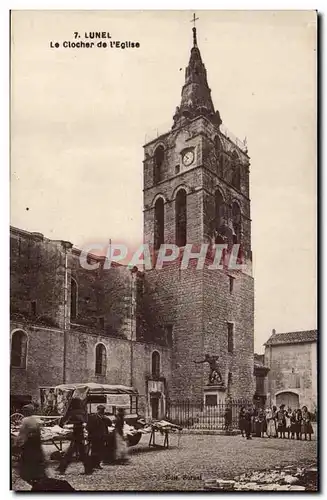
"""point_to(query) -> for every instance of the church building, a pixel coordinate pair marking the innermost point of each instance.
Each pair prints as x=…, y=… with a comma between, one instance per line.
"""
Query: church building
x=164, y=331
x=196, y=191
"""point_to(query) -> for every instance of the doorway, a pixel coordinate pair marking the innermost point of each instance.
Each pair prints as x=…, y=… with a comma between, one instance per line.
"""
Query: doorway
x=154, y=402
x=289, y=399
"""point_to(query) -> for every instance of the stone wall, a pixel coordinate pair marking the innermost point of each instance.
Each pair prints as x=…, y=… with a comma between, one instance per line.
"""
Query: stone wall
x=198, y=303
x=222, y=306
x=293, y=368
x=36, y=278
x=44, y=360
x=108, y=309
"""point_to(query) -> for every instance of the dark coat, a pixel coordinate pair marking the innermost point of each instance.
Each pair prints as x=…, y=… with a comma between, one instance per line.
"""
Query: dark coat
x=97, y=427
x=306, y=423
x=241, y=420
x=76, y=417
x=32, y=462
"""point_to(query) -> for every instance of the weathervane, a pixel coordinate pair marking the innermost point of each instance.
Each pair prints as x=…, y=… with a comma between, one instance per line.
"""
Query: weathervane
x=194, y=28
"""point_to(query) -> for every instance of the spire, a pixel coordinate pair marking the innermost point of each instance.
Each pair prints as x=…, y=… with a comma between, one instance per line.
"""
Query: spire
x=196, y=94
x=194, y=37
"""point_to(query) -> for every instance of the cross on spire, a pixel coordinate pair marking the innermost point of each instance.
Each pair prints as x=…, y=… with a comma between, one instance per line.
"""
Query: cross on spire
x=194, y=29
x=194, y=19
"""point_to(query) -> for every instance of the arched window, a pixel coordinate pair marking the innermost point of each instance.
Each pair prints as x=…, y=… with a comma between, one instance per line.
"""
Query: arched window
x=181, y=218
x=100, y=360
x=155, y=365
x=218, y=145
x=73, y=299
x=18, y=349
x=159, y=223
x=236, y=215
x=236, y=173
x=220, y=209
x=158, y=164
x=218, y=156
x=222, y=164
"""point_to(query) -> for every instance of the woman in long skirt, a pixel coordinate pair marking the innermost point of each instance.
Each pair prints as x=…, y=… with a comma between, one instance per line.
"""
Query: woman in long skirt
x=298, y=424
x=32, y=461
x=121, y=454
x=281, y=422
x=293, y=424
x=288, y=415
x=306, y=423
x=271, y=423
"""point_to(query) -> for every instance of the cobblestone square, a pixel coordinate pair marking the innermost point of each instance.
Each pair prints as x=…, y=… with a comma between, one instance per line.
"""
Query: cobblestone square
x=185, y=468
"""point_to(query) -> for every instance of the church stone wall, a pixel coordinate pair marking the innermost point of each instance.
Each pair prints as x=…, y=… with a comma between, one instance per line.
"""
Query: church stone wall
x=45, y=354
x=198, y=303
x=36, y=278
x=44, y=366
x=221, y=306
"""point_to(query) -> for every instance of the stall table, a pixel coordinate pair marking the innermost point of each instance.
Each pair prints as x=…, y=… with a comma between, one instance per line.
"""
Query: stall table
x=164, y=428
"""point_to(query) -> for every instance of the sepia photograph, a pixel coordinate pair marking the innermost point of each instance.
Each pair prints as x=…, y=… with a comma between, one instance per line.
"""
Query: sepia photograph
x=163, y=251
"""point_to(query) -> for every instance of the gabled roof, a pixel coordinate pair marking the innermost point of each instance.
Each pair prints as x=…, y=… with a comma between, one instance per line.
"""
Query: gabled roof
x=292, y=338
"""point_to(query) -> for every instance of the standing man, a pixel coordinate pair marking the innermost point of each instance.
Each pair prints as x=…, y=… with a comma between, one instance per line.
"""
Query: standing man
x=76, y=416
x=242, y=422
x=248, y=422
x=97, y=428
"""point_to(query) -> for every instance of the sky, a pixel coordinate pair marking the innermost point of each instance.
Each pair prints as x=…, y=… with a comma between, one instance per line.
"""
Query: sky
x=79, y=119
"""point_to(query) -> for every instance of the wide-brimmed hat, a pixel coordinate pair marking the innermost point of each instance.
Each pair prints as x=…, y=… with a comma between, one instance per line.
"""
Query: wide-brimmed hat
x=101, y=407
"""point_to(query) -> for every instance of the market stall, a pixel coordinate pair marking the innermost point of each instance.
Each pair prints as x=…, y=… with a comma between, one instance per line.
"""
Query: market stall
x=164, y=428
x=56, y=402
x=92, y=394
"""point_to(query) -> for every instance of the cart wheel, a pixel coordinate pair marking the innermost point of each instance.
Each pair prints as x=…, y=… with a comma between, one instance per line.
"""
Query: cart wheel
x=16, y=418
x=133, y=440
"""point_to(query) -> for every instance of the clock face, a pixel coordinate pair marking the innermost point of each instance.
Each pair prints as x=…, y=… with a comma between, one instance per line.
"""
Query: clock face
x=188, y=158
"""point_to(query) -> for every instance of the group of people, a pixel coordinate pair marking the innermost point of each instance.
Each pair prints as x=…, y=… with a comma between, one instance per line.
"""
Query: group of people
x=276, y=423
x=103, y=447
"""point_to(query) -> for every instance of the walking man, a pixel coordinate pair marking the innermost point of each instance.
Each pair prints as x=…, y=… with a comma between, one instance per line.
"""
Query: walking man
x=75, y=416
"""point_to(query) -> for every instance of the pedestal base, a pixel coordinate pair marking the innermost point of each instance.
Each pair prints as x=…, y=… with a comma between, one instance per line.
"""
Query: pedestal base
x=214, y=395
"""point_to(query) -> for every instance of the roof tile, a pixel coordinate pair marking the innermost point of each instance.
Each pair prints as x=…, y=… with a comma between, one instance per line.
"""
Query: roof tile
x=292, y=337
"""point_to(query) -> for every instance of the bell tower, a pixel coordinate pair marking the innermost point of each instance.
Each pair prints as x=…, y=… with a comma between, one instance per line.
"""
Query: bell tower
x=196, y=176
x=196, y=190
